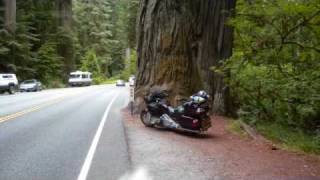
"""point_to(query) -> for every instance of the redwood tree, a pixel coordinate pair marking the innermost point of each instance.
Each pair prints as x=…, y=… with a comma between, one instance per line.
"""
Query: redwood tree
x=10, y=14
x=64, y=14
x=178, y=42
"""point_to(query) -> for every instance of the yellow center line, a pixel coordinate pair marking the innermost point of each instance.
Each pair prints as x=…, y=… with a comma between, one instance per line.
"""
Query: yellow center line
x=32, y=109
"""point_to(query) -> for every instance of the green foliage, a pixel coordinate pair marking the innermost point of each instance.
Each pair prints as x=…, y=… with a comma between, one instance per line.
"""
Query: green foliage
x=102, y=27
x=16, y=50
x=289, y=138
x=31, y=51
x=274, y=72
x=91, y=63
x=94, y=29
x=130, y=66
x=48, y=63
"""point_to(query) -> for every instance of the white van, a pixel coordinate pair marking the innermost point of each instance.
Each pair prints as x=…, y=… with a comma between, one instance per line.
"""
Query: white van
x=8, y=82
x=80, y=78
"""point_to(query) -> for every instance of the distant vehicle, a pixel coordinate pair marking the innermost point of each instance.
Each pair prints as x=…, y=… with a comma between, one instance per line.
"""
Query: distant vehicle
x=120, y=83
x=9, y=83
x=80, y=78
x=132, y=80
x=30, y=85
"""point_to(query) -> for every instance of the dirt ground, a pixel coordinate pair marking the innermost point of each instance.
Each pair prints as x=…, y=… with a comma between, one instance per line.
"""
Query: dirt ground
x=220, y=155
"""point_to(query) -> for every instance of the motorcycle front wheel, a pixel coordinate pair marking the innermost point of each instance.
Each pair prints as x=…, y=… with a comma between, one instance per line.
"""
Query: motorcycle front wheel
x=145, y=118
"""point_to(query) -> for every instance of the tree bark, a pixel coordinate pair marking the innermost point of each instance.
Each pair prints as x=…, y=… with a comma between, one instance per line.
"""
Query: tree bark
x=10, y=15
x=64, y=11
x=178, y=42
x=2, y=12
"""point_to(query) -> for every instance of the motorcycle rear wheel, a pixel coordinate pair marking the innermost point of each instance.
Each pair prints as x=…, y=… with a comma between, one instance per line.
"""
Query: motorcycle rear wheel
x=145, y=118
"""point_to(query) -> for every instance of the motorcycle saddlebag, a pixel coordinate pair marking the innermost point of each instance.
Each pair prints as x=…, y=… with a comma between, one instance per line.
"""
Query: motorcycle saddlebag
x=189, y=122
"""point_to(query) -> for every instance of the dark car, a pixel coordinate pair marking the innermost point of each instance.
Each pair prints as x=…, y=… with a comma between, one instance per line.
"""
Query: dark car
x=30, y=85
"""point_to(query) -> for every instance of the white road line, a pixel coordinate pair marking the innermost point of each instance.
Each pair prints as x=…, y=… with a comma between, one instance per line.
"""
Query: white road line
x=87, y=163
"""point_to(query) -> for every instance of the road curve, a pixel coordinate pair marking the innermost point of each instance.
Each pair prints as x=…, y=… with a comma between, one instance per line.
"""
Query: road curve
x=52, y=141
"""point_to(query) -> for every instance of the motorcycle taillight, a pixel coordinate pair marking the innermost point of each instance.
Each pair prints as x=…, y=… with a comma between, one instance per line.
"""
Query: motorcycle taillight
x=195, y=123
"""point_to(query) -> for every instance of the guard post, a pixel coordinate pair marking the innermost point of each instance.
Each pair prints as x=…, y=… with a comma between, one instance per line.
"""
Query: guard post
x=131, y=99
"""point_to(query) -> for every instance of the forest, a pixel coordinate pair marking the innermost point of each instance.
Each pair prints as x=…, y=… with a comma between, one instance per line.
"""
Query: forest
x=48, y=39
x=259, y=60
x=275, y=69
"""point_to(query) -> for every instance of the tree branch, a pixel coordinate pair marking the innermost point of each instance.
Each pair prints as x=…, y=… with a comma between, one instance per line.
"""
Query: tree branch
x=301, y=45
x=303, y=23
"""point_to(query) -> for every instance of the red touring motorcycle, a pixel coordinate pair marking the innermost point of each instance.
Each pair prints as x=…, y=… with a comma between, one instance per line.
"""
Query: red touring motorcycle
x=192, y=116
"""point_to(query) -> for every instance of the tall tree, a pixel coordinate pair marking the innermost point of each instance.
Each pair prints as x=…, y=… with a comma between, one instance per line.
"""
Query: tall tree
x=2, y=7
x=10, y=15
x=133, y=6
x=65, y=13
x=64, y=9
x=178, y=42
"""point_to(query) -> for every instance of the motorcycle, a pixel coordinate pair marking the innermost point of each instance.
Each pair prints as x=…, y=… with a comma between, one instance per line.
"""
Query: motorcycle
x=192, y=116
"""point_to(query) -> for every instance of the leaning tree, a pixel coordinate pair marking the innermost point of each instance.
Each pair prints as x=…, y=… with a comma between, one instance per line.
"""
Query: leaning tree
x=178, y=42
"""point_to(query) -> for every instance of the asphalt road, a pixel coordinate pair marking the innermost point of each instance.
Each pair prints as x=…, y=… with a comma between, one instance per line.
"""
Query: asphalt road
x=73, y=133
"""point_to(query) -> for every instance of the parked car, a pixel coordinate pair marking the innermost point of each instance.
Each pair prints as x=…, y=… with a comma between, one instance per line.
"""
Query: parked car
x=8, y=83
x=120, y=83
x=30, y=85
x=80, y=78
x=132, y=80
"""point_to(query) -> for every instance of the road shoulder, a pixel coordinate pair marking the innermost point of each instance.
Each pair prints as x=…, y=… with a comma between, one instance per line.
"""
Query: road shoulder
x=220, y=155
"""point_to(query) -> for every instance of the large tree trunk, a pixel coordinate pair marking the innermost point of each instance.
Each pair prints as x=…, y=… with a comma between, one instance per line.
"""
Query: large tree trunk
x=10, y=15
x=65, y=13
x=178, y=42
x=64, y=9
